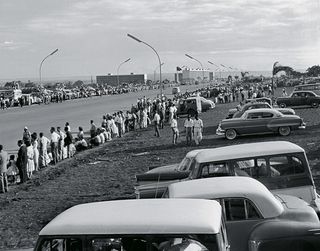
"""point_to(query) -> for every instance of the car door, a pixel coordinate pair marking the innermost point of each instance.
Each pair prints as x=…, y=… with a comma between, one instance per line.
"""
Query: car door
x=296, y=99
x=241, y=217
x=251, y=123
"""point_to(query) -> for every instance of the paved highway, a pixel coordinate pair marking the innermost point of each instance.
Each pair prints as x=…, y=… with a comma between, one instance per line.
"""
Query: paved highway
x=78, y=112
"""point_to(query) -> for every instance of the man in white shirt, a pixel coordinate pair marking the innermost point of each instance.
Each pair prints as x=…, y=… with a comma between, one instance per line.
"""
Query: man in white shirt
x=60, y=143
x=54, y=145
x=188, y=124
x=197, y=129
x=156, y=122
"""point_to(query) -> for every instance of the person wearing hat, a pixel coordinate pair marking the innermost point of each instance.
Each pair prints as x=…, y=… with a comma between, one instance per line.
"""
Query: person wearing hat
x=26, y=137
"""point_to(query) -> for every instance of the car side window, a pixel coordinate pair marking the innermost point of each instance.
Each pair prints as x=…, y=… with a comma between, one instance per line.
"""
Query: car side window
x=267, y=115
x=214, y=170
x=239, y=209
x=285, y=165
x=69, y=244
x=255, y=168
x=254, y=115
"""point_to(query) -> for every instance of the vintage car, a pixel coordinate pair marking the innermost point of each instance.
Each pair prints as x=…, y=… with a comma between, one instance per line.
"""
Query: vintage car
x=280, y=165
x=137, y=225
x=260, y=121
x=193, y=105
x=251, y=211
x=237, y=113
x=300, y=98
x=172, y=172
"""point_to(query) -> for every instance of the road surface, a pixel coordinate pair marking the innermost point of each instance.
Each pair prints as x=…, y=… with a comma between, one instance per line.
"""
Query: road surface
x=78, y=112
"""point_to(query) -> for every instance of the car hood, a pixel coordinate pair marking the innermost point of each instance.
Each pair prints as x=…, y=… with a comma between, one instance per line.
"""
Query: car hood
x=166, y=168
x=295, y=209
x=287, y=111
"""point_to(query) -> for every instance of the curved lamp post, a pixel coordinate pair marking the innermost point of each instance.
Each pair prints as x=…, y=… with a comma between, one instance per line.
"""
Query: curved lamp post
x=154, y=72
x=140, y=41
x=199, y=63
x=217, y=67
x=43, y=61
x=118, y=82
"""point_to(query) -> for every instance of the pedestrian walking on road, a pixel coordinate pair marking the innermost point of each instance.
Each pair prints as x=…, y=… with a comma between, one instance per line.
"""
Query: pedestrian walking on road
x=26, y=135
x=22, y=161
x=188, y=125
x=3, y=170
x=197, y=129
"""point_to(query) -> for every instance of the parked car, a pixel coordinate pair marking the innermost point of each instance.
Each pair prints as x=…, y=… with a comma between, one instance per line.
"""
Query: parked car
x=137, y=225
x=167, y=174
x=280, y=165
x=193, y=105
x=251, y=209
x=260, y=121
x=175, y=90
x=237, y=113
x=300, y=98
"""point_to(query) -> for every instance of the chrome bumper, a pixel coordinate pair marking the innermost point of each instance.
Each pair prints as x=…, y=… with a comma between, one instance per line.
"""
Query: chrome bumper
x=220, y=132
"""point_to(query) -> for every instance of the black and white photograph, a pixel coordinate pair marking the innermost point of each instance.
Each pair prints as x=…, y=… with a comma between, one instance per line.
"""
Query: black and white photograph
x=160, y=125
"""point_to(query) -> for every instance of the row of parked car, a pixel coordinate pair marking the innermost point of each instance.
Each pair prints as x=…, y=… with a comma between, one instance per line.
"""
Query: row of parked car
x=258, y=196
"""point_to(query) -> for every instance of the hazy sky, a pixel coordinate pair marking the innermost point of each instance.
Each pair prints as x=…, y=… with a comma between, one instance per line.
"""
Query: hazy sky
x=91, y=35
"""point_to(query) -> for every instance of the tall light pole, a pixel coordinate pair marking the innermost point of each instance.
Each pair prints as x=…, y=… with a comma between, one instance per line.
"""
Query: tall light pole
x=217, y=67
x=154, y=72
x=118, y=82
x=140, y=41
x=199, y=63
x=43, y=61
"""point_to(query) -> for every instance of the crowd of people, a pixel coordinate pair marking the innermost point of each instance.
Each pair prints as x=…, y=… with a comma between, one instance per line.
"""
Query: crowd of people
x=36, y=151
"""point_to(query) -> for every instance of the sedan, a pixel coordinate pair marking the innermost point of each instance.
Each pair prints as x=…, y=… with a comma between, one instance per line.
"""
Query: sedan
x=300, y=98
x=252, y=213
x=260, y=121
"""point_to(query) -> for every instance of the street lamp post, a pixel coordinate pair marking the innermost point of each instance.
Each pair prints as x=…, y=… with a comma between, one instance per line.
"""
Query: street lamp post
x=154, y=72
x=118, y=82
x=140, y=41
x=199, y=63
x=40, y=68
x=217, y=67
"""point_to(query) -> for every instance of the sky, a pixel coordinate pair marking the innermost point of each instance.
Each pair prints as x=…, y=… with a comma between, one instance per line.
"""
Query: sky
x=91, y=35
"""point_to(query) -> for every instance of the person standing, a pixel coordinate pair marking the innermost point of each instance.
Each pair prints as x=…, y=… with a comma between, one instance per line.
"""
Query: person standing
x=188, y=125
x=60, y=143
x=34, y=142
x=156, y=122
x=197, y=129
x=30, y=162
x=3, y=170
x=68, y=141
x=43, y=152
x=22, y=161
x=26, y=135
x=54, y=145
x=175, y=130
x=93, y=129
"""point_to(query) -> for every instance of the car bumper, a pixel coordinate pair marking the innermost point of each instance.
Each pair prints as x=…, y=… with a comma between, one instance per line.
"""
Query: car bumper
x=220, y=131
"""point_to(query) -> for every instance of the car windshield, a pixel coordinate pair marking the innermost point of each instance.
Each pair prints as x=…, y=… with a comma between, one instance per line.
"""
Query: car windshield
x=185, y=164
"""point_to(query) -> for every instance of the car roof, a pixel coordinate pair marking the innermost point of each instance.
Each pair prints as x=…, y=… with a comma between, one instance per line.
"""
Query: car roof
x=304, y=91
x=152, y=216
x=247, y=150
x=263, y=110
x=229, y=187
x=193, y=153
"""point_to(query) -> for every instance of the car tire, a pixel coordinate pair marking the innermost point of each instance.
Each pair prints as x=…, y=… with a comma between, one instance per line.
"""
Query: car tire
x=315, y=104
x=284, y=130
x=282, y=105
x=230, y=134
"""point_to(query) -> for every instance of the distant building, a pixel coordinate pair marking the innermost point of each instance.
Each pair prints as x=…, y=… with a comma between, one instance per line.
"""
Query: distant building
x=113, y=79
x=191, y=75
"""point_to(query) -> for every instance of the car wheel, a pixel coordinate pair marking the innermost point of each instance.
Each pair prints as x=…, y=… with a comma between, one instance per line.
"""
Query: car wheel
x=282, y=105
x=315, y=104
x=284, y=130
x=231, y=134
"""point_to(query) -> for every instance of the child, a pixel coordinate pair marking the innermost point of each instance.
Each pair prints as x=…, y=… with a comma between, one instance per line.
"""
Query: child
x=12, y=170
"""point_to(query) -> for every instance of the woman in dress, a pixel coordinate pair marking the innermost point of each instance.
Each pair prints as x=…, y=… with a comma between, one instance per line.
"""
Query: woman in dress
x=30, y=163
x=34, y=141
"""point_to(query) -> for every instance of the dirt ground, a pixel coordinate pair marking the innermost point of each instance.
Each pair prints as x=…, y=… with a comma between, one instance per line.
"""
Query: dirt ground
x=108, y=172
